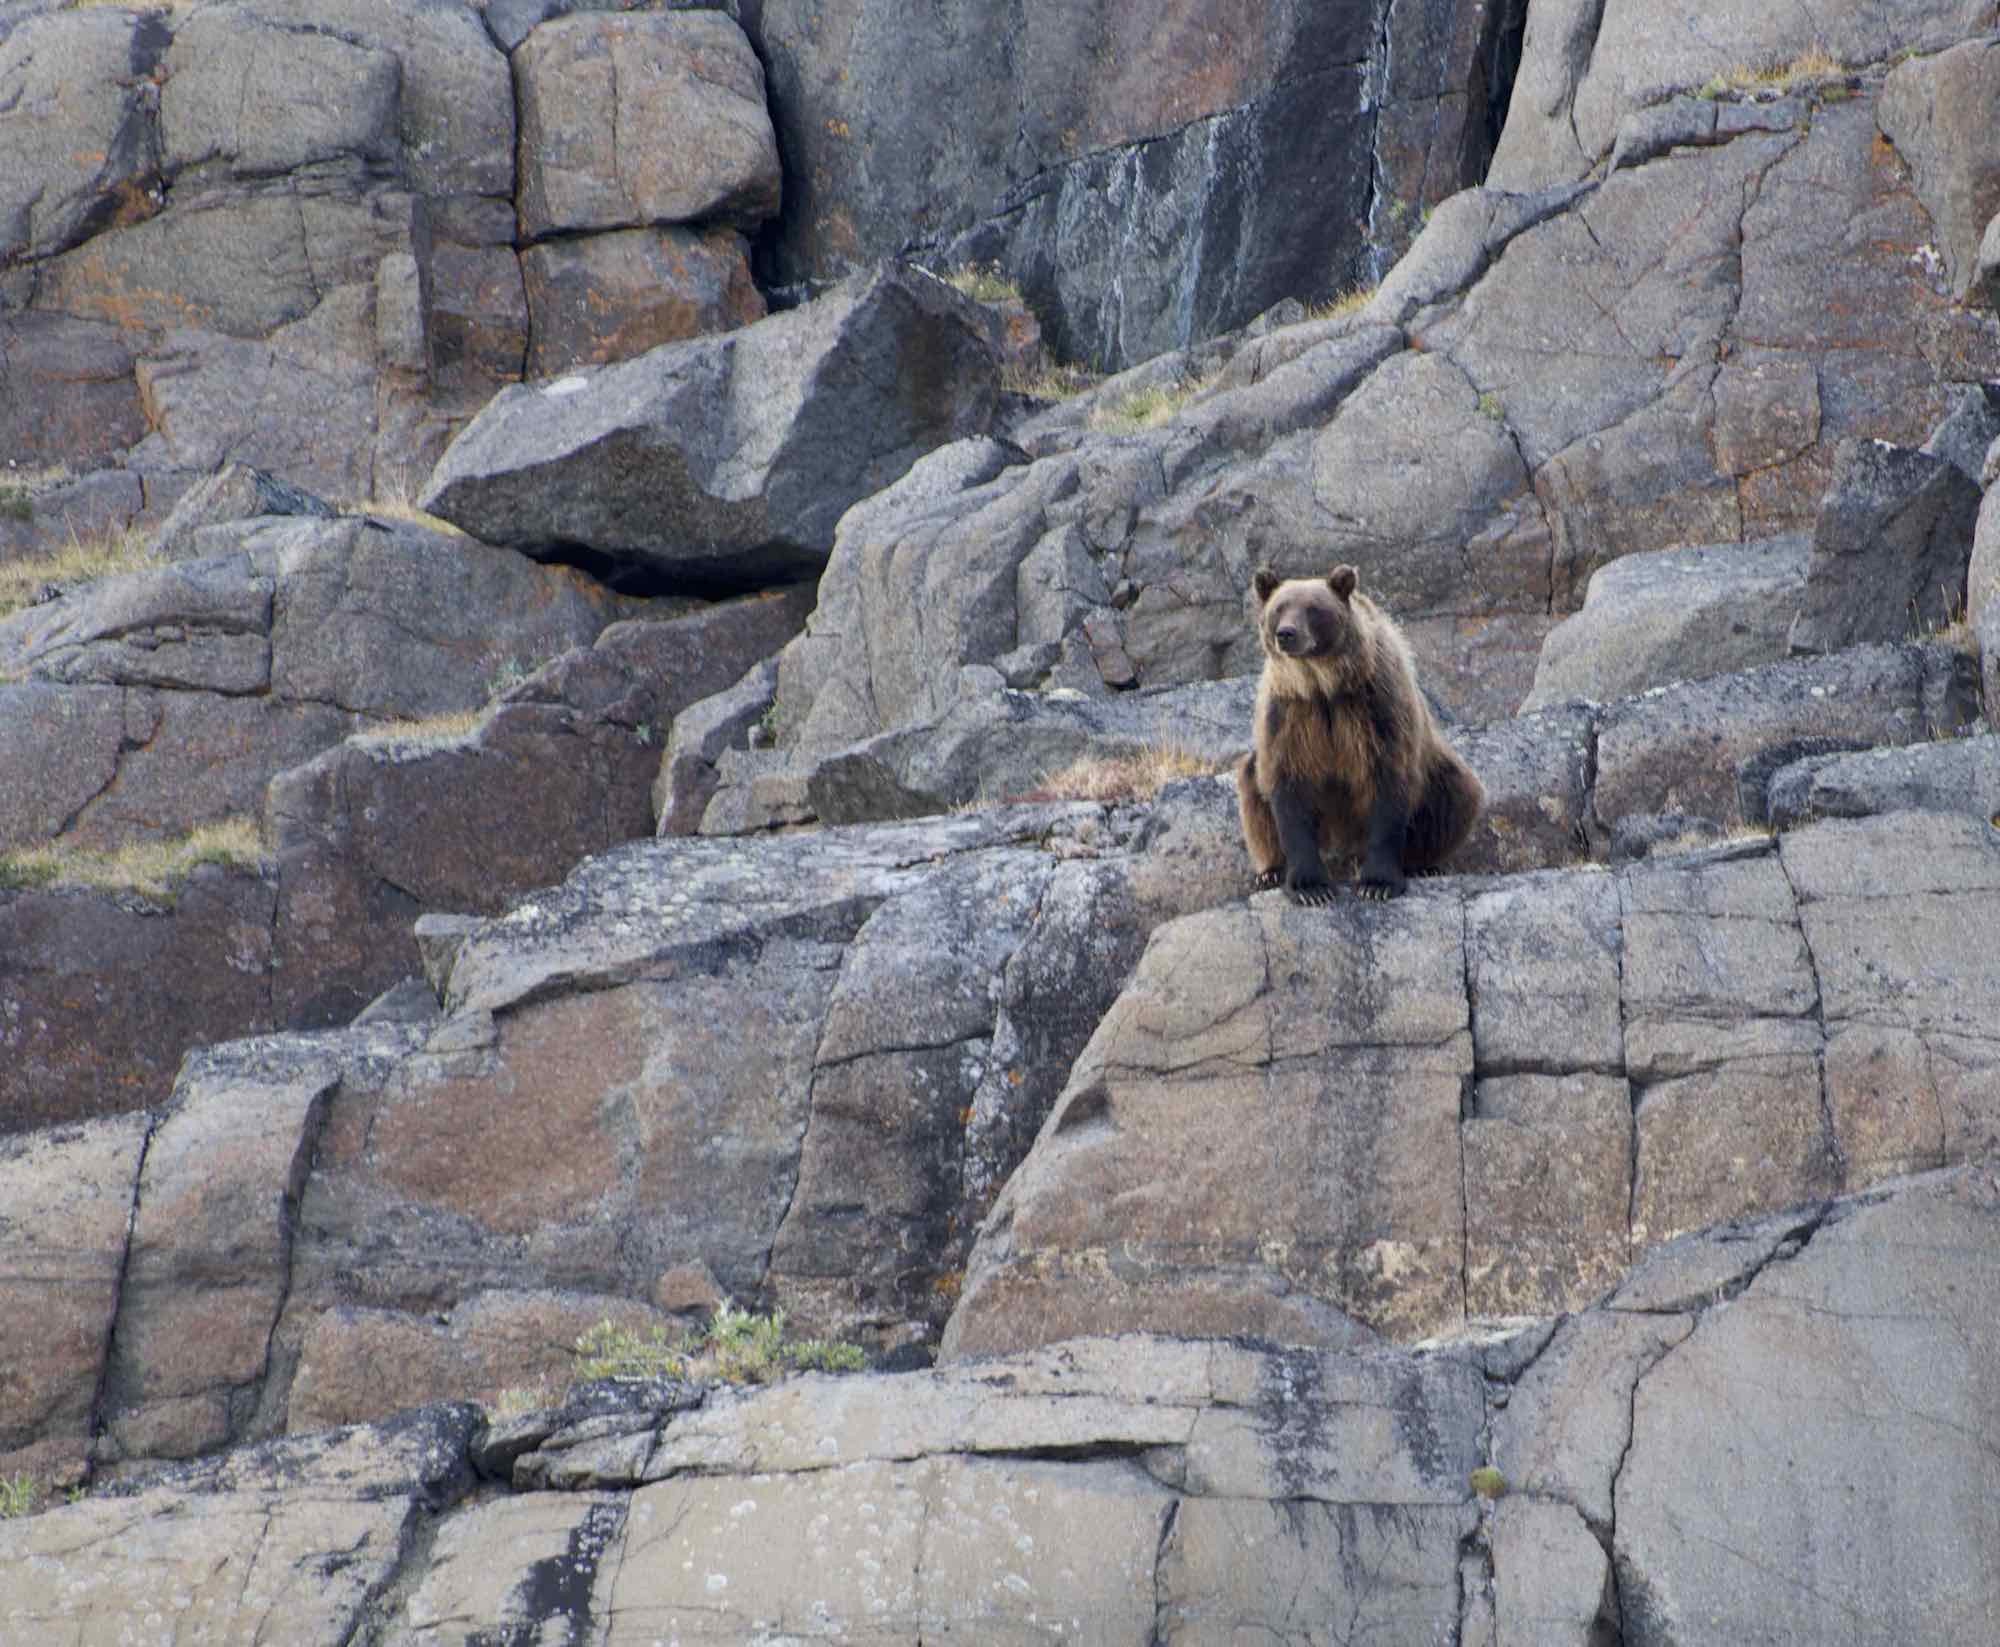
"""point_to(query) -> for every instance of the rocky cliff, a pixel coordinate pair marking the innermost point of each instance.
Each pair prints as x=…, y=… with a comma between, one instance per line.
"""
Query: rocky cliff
x=742, y=822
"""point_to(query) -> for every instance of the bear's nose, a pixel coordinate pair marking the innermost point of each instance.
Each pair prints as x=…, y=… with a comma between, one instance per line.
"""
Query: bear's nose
x=1287, y=633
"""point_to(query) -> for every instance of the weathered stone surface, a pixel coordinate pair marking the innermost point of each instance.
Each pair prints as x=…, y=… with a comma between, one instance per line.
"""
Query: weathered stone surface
x=1890, y=550
x=49, y=516
x=1537, y=771
x=265, y=100
x=1548, y=1185
x=1337, y=1210
x=82, y=149
x=1967, y=432
x=1081, y=135
x=605, y=297
x=68, y=1195
x=372, y=833
x=703, y=736
x=233, y=493
x=1934, y=109
x=207, y=1266
x=1719, y=992
x=1958, y=775
x=67, y=393
x=1913, y=1075
x=756, y=441
x=1893, y=1366
x=1706, y=747
x=1552, y=1579
x=293, y=1539
x=1543, y=958
x=236, y=666
x=104, y=992
x=355, y=1364
x=1672, y=614
x=631, y=120
x=1585, y=67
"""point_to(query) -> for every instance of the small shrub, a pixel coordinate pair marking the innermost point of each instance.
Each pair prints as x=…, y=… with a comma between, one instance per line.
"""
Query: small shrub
x=1811, y=68
x=14, y=504
x=81, y=560
x=738, y=1345
x=1488, y=1482
x=153, y=868
x=1489, y=406
x=1136, y=777
x=18, y=1496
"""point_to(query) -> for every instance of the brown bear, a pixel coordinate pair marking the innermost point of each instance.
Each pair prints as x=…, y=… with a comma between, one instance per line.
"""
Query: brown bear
x=1348, y=759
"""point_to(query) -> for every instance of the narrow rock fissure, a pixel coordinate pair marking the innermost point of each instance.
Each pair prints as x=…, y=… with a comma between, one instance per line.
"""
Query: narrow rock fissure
x=1836, y=1156
x=100, y=1394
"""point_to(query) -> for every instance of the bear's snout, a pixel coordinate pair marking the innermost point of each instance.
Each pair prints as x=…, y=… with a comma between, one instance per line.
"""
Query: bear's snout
x=1290, y=638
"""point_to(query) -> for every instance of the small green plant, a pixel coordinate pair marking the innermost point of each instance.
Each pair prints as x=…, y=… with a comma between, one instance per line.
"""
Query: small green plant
x=983, y=283
x=1489, y=406
x=154, y=868
x=737, y=1345
x=18, y=1496
x=15, y=504
x=611, y=1351
x=1488, y=1482
x=1149, y=407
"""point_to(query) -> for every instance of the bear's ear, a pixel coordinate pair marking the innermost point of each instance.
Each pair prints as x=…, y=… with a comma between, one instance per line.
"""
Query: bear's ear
x=1341, y=581
x=1265, y=582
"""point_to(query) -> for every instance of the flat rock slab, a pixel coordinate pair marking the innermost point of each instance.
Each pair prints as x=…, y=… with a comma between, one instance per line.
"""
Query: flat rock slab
x=727, y=460
x=1673, y=614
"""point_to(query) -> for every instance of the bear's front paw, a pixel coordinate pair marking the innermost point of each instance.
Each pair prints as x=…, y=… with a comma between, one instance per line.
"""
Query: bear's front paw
x=1313, y=894
x=1380, y=892
x=1269, y=880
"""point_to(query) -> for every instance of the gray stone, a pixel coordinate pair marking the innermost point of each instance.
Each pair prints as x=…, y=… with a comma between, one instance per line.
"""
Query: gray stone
x=631, y=120
x=1960, y=775
x=82, y=148
x=1537, y=770
x=603, y=297
x=1672, y=614
x=1934, y=109
x=1586, y=68
x=1893, y=1362
x=1552, y=1578
x=690, y=769
x=1890, y=550
x=1344, y=1208
x=106, y=989
x=1543, y=956
x=91, y=507
x=1968, y=431
x=265, y=100
x=1986, y=270
x=757, y=440
x=234, y=492
x=1568, y=1419
x=1681, y=748
x=1982, y=574
x=61, y=1294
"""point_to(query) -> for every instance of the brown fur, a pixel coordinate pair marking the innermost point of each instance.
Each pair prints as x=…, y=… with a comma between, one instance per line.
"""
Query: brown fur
x=1344, y=732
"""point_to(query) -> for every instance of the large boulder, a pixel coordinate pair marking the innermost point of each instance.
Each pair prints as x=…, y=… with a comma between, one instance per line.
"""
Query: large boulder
x=726, y=461
x=1673, y=614
x=1890, y=549
x=1934, y=109
x=1955, y=775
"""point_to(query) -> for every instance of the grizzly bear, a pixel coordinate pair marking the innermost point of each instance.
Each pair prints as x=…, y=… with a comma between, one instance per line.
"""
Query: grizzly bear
x=1348, y=759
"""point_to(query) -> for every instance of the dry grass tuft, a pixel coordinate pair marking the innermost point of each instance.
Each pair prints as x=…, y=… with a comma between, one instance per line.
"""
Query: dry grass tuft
x=431, y=732
x=1350, y=300
x=154, y=868
x=1137, y=777
x=1811, y=68
x=404, y=510
x=81, y=560
x=1047, y=382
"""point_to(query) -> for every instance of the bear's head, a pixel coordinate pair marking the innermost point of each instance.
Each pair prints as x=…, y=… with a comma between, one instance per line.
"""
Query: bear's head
x=1306, y=618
